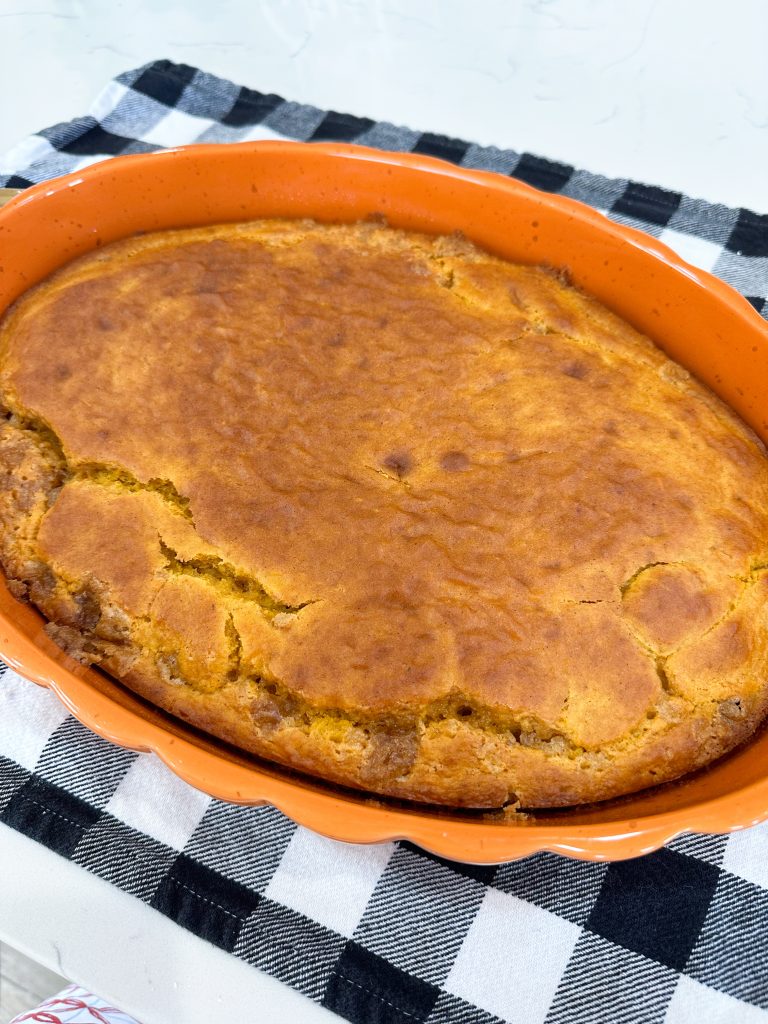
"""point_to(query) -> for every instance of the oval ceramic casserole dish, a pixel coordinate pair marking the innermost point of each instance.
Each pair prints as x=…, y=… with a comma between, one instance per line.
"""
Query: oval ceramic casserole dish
x=694, y=318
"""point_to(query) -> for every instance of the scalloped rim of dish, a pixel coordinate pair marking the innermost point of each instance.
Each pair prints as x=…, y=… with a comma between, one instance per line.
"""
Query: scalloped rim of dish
x=351, y=818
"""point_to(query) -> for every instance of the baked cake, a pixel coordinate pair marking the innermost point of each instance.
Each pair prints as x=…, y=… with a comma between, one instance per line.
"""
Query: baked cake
x=386, y=509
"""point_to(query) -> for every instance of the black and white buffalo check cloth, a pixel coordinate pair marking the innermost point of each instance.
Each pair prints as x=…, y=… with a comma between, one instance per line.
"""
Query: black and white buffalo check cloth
x=389, y=934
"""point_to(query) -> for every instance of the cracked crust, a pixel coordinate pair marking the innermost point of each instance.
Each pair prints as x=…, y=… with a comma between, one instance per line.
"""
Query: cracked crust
x=388, y=510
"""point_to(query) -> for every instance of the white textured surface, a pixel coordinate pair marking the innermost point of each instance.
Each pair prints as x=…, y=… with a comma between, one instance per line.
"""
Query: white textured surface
x=141, y=802
x=747, y=854
x=313, y=871
x=670, y=93
x=32, y=705
x=694, y=1003
x=527, y=950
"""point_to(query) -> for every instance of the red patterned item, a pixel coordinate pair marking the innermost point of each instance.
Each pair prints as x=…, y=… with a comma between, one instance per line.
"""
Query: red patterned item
x=74, y=1005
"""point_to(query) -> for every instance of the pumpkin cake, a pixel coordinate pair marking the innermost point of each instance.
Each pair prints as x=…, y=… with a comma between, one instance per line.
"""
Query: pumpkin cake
x=386, y=509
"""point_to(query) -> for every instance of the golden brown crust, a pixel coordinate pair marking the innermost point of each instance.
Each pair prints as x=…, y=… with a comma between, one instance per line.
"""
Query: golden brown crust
x=388, y=510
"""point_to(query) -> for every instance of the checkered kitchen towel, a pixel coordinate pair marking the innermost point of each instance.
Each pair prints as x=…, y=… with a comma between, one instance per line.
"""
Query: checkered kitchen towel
x=389, y=934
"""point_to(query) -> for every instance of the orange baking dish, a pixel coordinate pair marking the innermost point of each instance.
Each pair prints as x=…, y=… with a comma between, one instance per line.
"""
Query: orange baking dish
x=695, y=318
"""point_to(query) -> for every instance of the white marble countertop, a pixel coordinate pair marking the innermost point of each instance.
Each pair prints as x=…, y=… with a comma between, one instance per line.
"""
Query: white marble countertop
x=669, y=93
